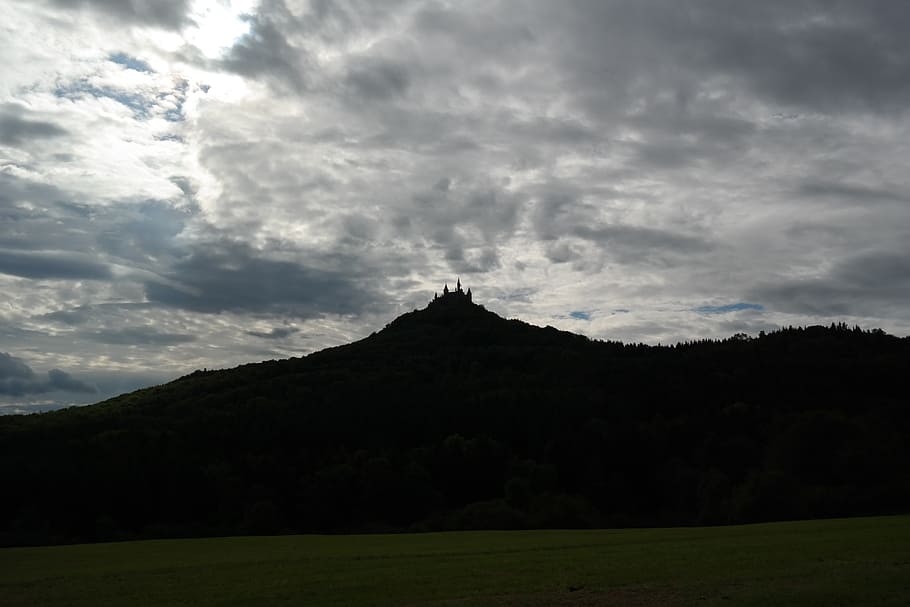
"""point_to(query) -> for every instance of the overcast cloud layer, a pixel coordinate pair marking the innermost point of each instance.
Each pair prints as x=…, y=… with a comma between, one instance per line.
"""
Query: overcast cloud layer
x=199, y=184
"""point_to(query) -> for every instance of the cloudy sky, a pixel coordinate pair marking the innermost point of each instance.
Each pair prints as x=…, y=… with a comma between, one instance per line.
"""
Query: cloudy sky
x=193, y=184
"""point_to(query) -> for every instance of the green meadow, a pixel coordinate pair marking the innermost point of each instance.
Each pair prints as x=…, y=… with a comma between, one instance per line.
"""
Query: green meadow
x=861, y=561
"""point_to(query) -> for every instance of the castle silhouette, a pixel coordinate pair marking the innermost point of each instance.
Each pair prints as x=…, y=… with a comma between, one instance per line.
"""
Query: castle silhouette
x=452, y=296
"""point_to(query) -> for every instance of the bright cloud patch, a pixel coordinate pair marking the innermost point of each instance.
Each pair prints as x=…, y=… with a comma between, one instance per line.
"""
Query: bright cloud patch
x=217, y=25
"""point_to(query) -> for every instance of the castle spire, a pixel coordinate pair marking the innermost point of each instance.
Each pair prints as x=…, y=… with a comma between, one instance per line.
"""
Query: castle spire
x=453, y=296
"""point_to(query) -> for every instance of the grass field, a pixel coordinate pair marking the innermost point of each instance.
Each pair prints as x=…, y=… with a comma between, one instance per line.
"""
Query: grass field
x=863, y=561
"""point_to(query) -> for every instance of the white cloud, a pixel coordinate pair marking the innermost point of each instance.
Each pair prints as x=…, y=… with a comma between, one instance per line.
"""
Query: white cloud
x=634, y=162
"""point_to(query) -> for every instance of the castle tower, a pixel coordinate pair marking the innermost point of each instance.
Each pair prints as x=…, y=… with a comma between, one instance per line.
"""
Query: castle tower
x=454, y=296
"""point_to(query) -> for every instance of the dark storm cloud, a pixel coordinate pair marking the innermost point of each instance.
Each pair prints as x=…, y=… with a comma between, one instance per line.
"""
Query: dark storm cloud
x=14, y=190
x=142, y=237
x=143, y=233
x=635, y=242
x=14, y=368
x=18, y=379
x=137, y=336
x=831, y=56
x=169, y=14
x=233, y=277
x=64, y=265
x=818, y=297
x=17, y=128
x=877, y=270
x=264, y=52
x=559, y=216
x=727, y=308
x=378, y=79
x=854, y=193
x=693, y=119
x=337, y=21
x=667, y=154
x=824, y=56
x=275, y=333
x=876, y=283
x=454, y=207
x=99, y=314
x=60, y=380
x=558, y=211
x=474, y=33
x=476, y=260
x=562, y=252
x=76, y=316
x=551, y=131
x=467, y=222
x=357, y=231
x=48, y=230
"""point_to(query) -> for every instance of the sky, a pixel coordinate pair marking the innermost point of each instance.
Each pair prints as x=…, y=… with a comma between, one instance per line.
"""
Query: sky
x=189, y=184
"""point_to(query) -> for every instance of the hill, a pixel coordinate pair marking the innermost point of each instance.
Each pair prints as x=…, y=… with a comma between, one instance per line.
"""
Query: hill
x=454, y=418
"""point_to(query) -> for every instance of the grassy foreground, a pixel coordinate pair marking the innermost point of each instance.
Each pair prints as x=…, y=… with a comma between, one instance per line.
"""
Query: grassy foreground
x=864, y=561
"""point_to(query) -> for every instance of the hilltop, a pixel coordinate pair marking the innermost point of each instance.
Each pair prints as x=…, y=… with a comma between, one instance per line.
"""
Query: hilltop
x=452, y=417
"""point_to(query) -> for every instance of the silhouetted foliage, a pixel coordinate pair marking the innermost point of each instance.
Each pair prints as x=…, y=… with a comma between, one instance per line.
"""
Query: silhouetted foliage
x=454, y=418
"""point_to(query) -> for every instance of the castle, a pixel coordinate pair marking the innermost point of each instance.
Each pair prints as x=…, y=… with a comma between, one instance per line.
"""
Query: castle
x=457, y=295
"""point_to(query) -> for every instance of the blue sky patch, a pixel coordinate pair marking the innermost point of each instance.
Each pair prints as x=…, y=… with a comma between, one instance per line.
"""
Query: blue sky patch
x=176, y=114
x=141, y=105
x=580, y=315
x=130, y=63
x=728, y=308
x=135, y=101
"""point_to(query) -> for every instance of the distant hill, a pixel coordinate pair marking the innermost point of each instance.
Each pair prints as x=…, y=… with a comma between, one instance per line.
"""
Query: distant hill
x=452, y=417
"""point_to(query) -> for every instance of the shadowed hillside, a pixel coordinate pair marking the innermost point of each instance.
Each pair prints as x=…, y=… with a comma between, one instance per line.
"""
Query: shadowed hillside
x=452, y=417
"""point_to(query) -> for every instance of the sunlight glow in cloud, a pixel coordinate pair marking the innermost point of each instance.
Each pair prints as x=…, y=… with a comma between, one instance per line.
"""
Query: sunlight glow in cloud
x=218, y=24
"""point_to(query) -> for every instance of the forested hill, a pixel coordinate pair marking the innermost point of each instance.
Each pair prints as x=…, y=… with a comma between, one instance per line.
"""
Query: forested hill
x=452, y=417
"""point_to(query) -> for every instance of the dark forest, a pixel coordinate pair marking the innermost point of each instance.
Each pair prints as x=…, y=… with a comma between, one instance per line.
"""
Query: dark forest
x=454, y=418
